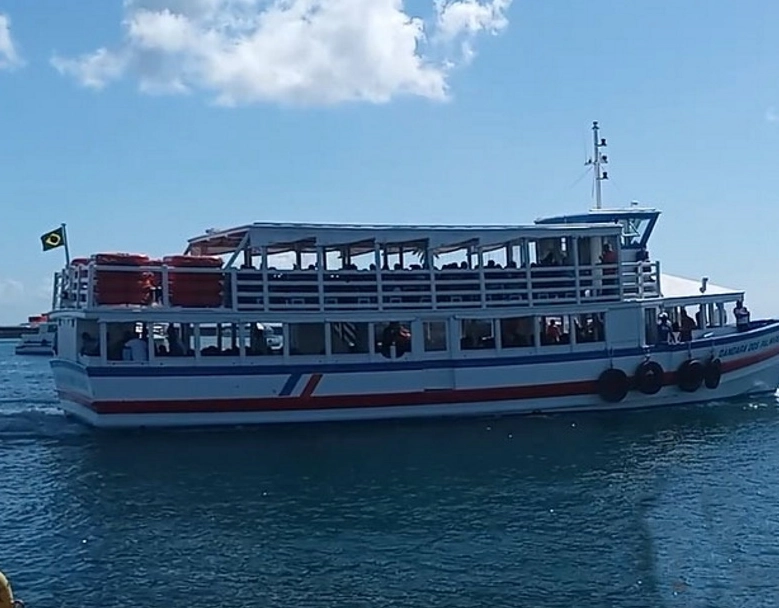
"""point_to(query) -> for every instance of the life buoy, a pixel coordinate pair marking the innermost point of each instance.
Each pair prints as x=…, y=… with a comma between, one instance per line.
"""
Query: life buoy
x=120, y=259
x=649, y=377
x=192, y=261
x=713, y=373
x=613, y=385
x=689, y=376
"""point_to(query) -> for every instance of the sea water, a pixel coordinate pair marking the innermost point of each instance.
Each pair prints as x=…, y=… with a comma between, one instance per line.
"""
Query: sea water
x=675, y=507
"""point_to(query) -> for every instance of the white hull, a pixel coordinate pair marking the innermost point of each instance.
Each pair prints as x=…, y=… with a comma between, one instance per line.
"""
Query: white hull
x=242, y=396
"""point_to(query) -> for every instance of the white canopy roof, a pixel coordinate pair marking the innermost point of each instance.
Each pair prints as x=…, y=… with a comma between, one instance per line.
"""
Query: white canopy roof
x=680, y=289
x=279, y=238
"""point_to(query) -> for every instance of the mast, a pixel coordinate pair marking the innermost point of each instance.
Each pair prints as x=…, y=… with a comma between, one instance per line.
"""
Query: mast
x=596, y=161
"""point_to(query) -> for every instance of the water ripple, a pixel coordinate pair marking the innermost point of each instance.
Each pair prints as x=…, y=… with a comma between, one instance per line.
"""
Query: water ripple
x=664, y=509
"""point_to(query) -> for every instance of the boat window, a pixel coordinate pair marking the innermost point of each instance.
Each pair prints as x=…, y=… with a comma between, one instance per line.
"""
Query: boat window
x=477, y=334
x=633, y=229
x=532, y=254
x=555, y=329
x=218, y=339
x=127, y=341
x=306, y=338
x=262, y=339
x=347, y=337
x=174, y=340
x=589, y=328
x=517, y=332
x=584, y=246
x=435, y=336
x=88, y=336
x=553, y=251
x=393, y=337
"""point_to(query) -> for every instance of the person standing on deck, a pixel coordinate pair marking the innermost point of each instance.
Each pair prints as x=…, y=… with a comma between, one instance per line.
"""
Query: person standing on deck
x=686, y=325
x=665, y=333
x=741, y=313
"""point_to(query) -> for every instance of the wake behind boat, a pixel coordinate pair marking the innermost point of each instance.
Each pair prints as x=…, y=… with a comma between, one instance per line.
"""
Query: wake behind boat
x=569, y=313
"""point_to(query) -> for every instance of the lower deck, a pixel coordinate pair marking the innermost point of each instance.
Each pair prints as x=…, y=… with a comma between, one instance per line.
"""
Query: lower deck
x=217, y=391
x=183, y=341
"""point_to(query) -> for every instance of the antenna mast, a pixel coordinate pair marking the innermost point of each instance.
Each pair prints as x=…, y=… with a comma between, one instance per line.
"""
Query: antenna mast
x=596, y=161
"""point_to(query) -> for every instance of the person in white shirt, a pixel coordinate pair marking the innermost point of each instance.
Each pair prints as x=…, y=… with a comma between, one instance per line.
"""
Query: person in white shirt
x=135, y=349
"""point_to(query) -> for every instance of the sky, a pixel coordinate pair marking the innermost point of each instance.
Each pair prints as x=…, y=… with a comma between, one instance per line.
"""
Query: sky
x=142, y=123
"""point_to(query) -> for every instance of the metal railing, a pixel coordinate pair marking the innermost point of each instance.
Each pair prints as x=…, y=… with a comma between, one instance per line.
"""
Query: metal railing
x=93, y=285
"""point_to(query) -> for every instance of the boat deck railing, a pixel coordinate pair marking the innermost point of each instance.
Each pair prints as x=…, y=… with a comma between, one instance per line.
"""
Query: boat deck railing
x=91, y=286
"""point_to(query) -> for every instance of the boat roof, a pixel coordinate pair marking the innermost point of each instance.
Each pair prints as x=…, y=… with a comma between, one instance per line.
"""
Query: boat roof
x=680, y=289
x=603, y=215
x=284, y=237
x=637, y=222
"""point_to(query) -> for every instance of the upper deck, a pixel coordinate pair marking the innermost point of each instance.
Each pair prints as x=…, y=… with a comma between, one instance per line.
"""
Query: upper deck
x=325, y=268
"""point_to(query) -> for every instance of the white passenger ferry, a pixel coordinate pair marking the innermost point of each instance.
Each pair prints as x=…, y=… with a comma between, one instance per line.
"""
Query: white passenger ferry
x=569, y=313
x=41, y=341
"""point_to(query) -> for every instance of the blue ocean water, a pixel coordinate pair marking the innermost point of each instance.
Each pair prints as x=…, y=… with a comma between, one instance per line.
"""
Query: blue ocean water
x=678, y=507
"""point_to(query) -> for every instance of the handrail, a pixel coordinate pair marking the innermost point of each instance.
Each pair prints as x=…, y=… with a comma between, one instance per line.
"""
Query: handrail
x=167, y=286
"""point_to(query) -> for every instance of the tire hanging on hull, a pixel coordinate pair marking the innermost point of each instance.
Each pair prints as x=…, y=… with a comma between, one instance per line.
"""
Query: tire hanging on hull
x=649, y=377
x=690, y=375
x=613, y=385
x=713, y=373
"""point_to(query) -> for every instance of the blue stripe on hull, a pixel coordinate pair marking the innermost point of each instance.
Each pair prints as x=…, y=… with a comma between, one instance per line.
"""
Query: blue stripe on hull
x=290, y=385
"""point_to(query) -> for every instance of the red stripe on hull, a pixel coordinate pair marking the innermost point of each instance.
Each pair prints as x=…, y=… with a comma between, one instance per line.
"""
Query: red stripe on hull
x=306, y=401
x=311, y=385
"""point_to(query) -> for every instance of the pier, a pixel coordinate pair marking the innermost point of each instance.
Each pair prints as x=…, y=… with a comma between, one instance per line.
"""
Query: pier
x=14, y=332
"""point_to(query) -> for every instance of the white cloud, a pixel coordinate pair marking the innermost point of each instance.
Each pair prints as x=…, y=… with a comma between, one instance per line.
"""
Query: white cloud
x=291, y=51
x=11, y=290
x=771, y=115
x=9, y=56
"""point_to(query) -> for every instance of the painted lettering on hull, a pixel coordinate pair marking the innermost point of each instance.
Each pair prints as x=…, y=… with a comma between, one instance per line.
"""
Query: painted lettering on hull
x=749, y=347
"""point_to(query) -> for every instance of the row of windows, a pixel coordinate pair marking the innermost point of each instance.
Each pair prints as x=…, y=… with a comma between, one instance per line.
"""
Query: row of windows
x=391, y=339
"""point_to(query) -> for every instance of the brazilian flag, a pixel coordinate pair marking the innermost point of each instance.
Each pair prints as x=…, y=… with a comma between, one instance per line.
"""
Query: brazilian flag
x=53, y=239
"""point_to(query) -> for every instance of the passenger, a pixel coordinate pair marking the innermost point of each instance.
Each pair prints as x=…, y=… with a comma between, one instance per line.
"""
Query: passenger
x=134, y=348
x=609, y=256
x=175, y=347
x=89, y=346
x=665, y=333
x=686, y=326
x=553, y=332
x=741, y=313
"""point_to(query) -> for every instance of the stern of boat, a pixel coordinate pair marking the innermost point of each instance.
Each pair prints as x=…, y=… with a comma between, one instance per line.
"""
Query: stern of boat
x=74, y=389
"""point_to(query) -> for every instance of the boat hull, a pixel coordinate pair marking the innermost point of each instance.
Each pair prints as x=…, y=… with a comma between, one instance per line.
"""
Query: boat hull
x=34, y=349
x=116, y=396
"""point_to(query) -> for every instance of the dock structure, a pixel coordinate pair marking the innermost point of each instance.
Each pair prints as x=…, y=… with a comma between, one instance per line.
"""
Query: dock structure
x=14, y=332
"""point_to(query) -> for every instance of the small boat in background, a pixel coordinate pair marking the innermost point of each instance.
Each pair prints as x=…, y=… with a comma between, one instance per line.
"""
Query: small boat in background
x=40, y=342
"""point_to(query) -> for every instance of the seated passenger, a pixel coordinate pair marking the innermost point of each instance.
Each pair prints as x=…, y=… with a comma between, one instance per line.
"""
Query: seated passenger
x=134, y=348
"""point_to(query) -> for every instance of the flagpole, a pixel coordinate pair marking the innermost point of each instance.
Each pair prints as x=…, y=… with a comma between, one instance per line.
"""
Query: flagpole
x=67, y=246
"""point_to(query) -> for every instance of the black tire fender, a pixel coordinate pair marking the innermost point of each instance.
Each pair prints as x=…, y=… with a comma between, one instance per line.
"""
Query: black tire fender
x=713, y=373
x=649, y=377
x=689, y=376
x=613, y=385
